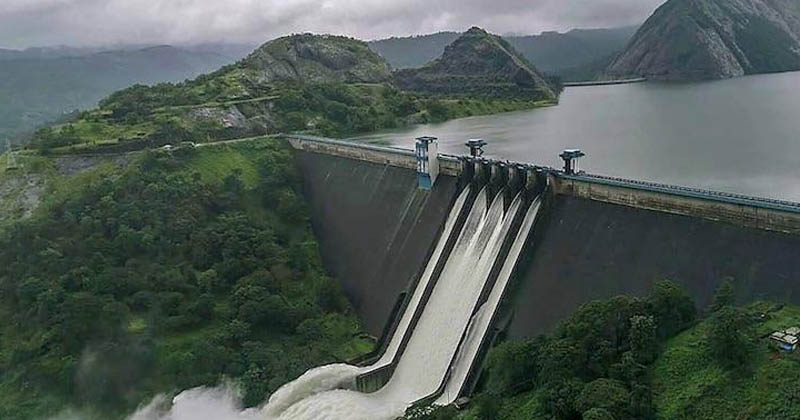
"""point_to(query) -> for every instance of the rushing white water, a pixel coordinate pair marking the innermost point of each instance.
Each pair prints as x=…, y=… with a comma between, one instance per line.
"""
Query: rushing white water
x=433, y=344
x=416, y=297
x=323, y=393
x=482, y=319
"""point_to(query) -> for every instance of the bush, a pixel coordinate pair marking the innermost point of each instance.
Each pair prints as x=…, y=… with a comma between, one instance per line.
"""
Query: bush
x=607, y=394
x=728, y=337
x=673, y=309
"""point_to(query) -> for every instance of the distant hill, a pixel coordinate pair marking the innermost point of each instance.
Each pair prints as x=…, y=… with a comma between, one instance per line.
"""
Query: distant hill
x=413, y=51
x=42, y=84
x=553, y=52
x=478, y=63
x=713, y=39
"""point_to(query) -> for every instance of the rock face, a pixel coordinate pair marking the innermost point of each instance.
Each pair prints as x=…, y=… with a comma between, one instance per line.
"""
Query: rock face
x=713, y=39
x=478, y=63
x=317, y=59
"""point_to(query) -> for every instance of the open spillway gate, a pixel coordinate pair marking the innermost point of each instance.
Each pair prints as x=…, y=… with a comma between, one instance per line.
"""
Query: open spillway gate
x=504, y=200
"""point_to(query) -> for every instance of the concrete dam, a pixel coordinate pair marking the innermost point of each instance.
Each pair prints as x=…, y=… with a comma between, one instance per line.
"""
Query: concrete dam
x=439, y=265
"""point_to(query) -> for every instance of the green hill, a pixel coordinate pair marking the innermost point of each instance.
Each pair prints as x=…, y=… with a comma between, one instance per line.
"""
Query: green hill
x=479, y=63
x=328, y=85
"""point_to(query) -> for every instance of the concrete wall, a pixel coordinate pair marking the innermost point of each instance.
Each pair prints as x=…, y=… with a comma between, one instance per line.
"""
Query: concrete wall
x=741, y=211
x=374, y=226
x=585, y=250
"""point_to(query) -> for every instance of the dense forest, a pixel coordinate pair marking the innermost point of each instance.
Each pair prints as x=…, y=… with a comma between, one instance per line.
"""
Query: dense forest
x=180, y=270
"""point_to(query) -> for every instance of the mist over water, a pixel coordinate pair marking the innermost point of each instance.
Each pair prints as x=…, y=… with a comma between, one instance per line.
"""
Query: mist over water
x=740, y=135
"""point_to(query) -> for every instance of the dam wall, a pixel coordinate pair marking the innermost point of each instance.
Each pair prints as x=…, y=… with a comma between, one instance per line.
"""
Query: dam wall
x=760, y=213
x=374, y=226
x=596, y=237
x=585, y=249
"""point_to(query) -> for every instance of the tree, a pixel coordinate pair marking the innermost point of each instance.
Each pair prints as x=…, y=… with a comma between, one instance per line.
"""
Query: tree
x=725, y=295
x=728, y=337
x=513, y=367
x=597, y=414
x=644, y=344
x=641, y=402
x=604, y=393
x=560, y=399
x=672, y=308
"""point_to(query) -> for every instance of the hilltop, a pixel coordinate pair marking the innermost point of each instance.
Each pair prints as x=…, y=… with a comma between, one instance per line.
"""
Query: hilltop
x=713, y=39
x=478, y=63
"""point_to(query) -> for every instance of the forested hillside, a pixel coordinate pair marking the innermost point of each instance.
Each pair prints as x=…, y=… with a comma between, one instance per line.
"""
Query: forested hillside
x=328, y=85
x=175, y=271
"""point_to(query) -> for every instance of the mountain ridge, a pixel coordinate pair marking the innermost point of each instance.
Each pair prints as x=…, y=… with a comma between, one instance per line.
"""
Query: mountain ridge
x=713, y=39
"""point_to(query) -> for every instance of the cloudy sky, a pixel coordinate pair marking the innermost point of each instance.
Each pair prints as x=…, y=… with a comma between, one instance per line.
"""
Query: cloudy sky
x=25, y=23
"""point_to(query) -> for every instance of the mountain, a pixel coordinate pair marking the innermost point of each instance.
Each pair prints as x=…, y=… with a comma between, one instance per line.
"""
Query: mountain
x=713, y=39
x=478, y=63
x=413, y=51
x=316, y=58
x=40, y=85
x=553, y=52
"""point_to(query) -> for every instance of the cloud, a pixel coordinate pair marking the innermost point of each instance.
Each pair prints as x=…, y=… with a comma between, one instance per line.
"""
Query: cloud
x=104, y=22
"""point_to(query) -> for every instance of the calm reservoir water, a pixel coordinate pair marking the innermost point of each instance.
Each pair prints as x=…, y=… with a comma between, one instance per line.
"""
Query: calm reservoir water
x=740, y=135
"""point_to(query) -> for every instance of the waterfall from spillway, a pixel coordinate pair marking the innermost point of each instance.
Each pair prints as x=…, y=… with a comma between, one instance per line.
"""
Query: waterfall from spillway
x=432, y=343
x=482, y=319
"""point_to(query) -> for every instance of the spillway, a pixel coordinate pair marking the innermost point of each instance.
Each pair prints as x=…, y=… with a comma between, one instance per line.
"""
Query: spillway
x=483, y=318
x=433, y=328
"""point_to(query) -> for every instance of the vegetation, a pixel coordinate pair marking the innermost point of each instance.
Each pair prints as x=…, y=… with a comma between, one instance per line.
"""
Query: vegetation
x=177, y=271
x=629, y=358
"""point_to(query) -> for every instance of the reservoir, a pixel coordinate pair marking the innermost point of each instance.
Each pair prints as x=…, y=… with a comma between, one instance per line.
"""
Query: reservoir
x=740, y=135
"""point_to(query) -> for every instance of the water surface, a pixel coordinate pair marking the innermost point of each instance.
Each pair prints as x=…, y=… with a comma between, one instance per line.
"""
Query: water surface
x=740, y=135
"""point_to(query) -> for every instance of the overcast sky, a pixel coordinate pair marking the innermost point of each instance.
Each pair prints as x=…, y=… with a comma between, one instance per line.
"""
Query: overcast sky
x=25, y=23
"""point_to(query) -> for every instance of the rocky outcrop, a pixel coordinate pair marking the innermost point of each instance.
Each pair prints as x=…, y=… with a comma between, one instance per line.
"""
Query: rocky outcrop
x=317, y=59
x=713, y=39
x=478, y=63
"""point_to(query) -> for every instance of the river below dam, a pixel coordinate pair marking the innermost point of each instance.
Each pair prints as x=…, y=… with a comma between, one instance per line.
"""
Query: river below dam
x=740, y=135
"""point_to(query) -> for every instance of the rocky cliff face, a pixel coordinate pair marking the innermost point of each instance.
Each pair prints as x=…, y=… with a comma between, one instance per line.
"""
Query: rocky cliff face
x=317, y=59
x=478, y=63
x=713, y=39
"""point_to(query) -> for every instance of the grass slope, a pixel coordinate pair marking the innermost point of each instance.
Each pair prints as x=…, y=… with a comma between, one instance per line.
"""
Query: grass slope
x=689, y=384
